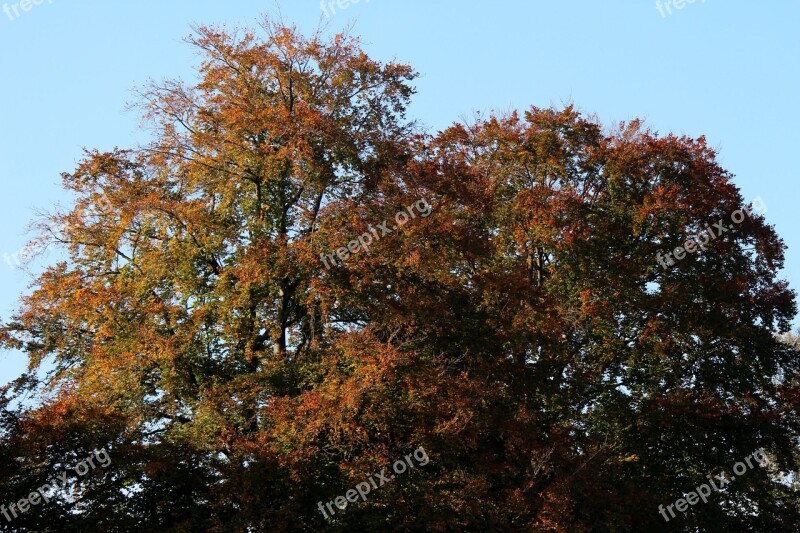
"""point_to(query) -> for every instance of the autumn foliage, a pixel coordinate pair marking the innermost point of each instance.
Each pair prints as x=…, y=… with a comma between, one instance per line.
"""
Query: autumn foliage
x=524, y=333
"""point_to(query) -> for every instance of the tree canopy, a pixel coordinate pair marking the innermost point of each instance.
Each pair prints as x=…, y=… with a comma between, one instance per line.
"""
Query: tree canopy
x=521, y=329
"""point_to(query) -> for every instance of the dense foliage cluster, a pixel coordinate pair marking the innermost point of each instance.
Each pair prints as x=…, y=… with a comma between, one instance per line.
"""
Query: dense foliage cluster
x=523, y=333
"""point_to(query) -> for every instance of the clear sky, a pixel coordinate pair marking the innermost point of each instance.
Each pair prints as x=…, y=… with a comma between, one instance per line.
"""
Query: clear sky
x=726, y=69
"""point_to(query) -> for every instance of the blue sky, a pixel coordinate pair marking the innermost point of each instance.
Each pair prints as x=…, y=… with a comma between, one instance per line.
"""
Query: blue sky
x=724, y=69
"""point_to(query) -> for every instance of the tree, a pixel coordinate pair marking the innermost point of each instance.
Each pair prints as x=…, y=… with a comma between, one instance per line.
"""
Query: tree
x=207, y=329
